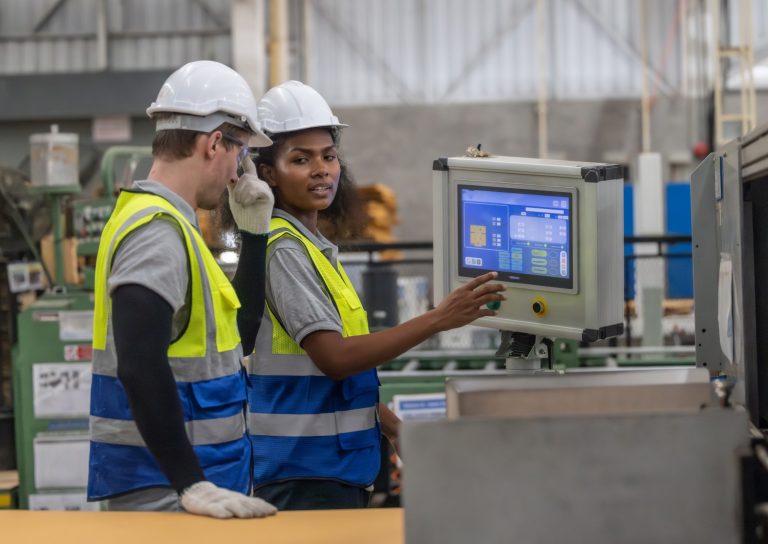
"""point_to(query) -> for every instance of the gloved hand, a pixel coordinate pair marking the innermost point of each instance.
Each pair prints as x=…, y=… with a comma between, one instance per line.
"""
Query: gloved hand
x=251, y=200
x=207, y=499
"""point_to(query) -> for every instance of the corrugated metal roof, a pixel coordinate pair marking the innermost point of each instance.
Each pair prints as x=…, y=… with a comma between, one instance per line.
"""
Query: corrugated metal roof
x=439, y=51
x=142, y=34
x=376, y=51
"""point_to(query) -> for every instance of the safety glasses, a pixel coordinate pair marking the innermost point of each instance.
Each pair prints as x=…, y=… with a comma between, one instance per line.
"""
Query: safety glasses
x=243, y=147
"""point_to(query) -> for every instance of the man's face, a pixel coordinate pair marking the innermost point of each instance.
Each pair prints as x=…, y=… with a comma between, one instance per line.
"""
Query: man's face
x=228, y=148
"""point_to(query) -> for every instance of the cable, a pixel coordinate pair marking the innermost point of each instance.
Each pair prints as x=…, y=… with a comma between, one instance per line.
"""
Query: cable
x=19, y=222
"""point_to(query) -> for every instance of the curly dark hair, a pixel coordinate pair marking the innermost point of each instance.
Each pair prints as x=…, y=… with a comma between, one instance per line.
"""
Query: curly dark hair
x=345, y=219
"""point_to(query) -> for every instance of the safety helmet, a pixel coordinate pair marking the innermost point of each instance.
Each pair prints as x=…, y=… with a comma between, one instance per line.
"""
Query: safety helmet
x=203, y=94
x=293, y=106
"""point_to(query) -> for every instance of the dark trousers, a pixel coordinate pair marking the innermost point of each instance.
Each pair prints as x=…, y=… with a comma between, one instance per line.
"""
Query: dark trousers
x=313, y=495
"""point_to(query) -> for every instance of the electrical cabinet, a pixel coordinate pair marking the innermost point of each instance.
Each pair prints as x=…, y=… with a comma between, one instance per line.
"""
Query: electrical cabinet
x=52, y=379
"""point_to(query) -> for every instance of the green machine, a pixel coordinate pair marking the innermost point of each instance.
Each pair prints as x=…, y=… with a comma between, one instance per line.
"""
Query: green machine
x=51, y=371
x=120, y=165
x=420, y=372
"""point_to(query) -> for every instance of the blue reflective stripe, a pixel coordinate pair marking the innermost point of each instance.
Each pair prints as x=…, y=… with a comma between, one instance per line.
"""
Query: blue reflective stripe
x=302, y=395
x=226, y=465
x=315, y=457
x=198, y=400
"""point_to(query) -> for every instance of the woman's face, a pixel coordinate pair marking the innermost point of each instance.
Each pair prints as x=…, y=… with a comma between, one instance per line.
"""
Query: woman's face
x=306, y=172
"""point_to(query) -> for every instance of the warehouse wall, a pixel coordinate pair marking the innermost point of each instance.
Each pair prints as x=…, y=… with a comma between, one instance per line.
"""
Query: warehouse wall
x=396, y=145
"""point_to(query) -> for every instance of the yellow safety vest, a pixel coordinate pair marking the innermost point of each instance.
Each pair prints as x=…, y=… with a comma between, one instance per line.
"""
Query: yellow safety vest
x=205, y=360
x=302, y=423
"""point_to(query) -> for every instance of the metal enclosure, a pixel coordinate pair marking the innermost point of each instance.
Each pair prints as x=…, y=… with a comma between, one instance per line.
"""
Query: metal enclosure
x=611, y=478
x=729, y=200
x=580, y=392
x=51, y=381
x=593, y=308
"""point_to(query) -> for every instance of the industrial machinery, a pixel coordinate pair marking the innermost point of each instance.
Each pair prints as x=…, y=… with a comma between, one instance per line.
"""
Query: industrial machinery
x=51, y=369
x=729, y=201
x=671, y=455
x=552, y=230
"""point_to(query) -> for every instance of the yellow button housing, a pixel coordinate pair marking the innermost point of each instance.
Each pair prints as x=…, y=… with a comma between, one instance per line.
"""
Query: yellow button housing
x=539, y=306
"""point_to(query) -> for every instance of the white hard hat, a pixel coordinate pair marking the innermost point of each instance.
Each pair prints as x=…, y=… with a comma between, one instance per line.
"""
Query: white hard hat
x=294, y=106
x=203, y=94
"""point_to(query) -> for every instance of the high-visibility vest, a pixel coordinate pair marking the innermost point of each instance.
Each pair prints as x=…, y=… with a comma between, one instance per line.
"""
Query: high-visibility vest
x=205, y=360
x=302, y=423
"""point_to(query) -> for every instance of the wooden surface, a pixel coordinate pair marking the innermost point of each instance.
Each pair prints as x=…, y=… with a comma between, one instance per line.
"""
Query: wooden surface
x=371, y=526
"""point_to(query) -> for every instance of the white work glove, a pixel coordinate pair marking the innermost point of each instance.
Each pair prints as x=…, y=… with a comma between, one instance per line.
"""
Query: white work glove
x=207, y=499
x=251, y=200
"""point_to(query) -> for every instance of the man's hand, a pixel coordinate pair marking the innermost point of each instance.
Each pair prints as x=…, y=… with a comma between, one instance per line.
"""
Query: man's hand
x=251, y=201
x=207, y=499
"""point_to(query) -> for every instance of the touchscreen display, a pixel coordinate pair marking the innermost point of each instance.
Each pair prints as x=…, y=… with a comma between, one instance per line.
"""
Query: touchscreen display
x=525, y=235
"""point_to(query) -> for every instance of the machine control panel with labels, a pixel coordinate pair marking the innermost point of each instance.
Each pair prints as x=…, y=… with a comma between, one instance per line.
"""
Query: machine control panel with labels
x=88, y=221
x=551, y=230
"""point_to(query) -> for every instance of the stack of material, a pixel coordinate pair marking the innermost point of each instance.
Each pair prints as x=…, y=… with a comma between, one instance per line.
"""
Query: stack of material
x=381, y=207
x=380, y=204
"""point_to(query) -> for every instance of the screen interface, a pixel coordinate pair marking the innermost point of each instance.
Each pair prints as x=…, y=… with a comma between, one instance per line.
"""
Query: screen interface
x=524, y=235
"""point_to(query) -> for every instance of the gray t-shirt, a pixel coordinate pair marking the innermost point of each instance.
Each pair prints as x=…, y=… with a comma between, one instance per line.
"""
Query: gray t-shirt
x=154, y=256
x=294, y=289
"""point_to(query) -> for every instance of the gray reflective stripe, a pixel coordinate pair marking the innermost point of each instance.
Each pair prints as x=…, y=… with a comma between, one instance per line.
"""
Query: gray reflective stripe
x=210, y=318
x=185, y=369
x=282, y=365
x=200, y=432
x=278, y=231
x=262, y=362
x=326, y=424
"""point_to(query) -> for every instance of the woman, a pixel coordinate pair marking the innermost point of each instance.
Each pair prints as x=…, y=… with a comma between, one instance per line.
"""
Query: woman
x=315, y=418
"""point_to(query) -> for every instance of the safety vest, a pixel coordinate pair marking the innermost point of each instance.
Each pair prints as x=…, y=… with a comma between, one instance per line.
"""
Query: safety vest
x=204, y=359
x=302, y=423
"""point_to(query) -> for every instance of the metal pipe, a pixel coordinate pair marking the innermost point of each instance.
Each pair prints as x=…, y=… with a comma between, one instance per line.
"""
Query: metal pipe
x=102, y=36
x=307, y=39
x=247, y=22
x=645, y=100
x=278, y=42
x=48, y=15
x=58, y=237
x=717, y=75
x=541, y=49
x=683, y=22
x=10, y=210
x=746, y=23
x=117, y=35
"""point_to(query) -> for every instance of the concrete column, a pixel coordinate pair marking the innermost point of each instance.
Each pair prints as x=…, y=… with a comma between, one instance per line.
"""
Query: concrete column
x=650, y=275
x=249, y=43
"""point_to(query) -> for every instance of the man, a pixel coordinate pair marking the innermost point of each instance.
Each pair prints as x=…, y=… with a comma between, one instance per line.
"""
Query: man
x=168, y=391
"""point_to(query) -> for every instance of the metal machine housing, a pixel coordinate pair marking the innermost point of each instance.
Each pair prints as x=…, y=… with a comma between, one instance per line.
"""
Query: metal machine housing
x=592, y=309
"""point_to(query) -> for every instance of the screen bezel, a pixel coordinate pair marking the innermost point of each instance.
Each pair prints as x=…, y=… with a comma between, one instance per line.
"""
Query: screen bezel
x=528, y=281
